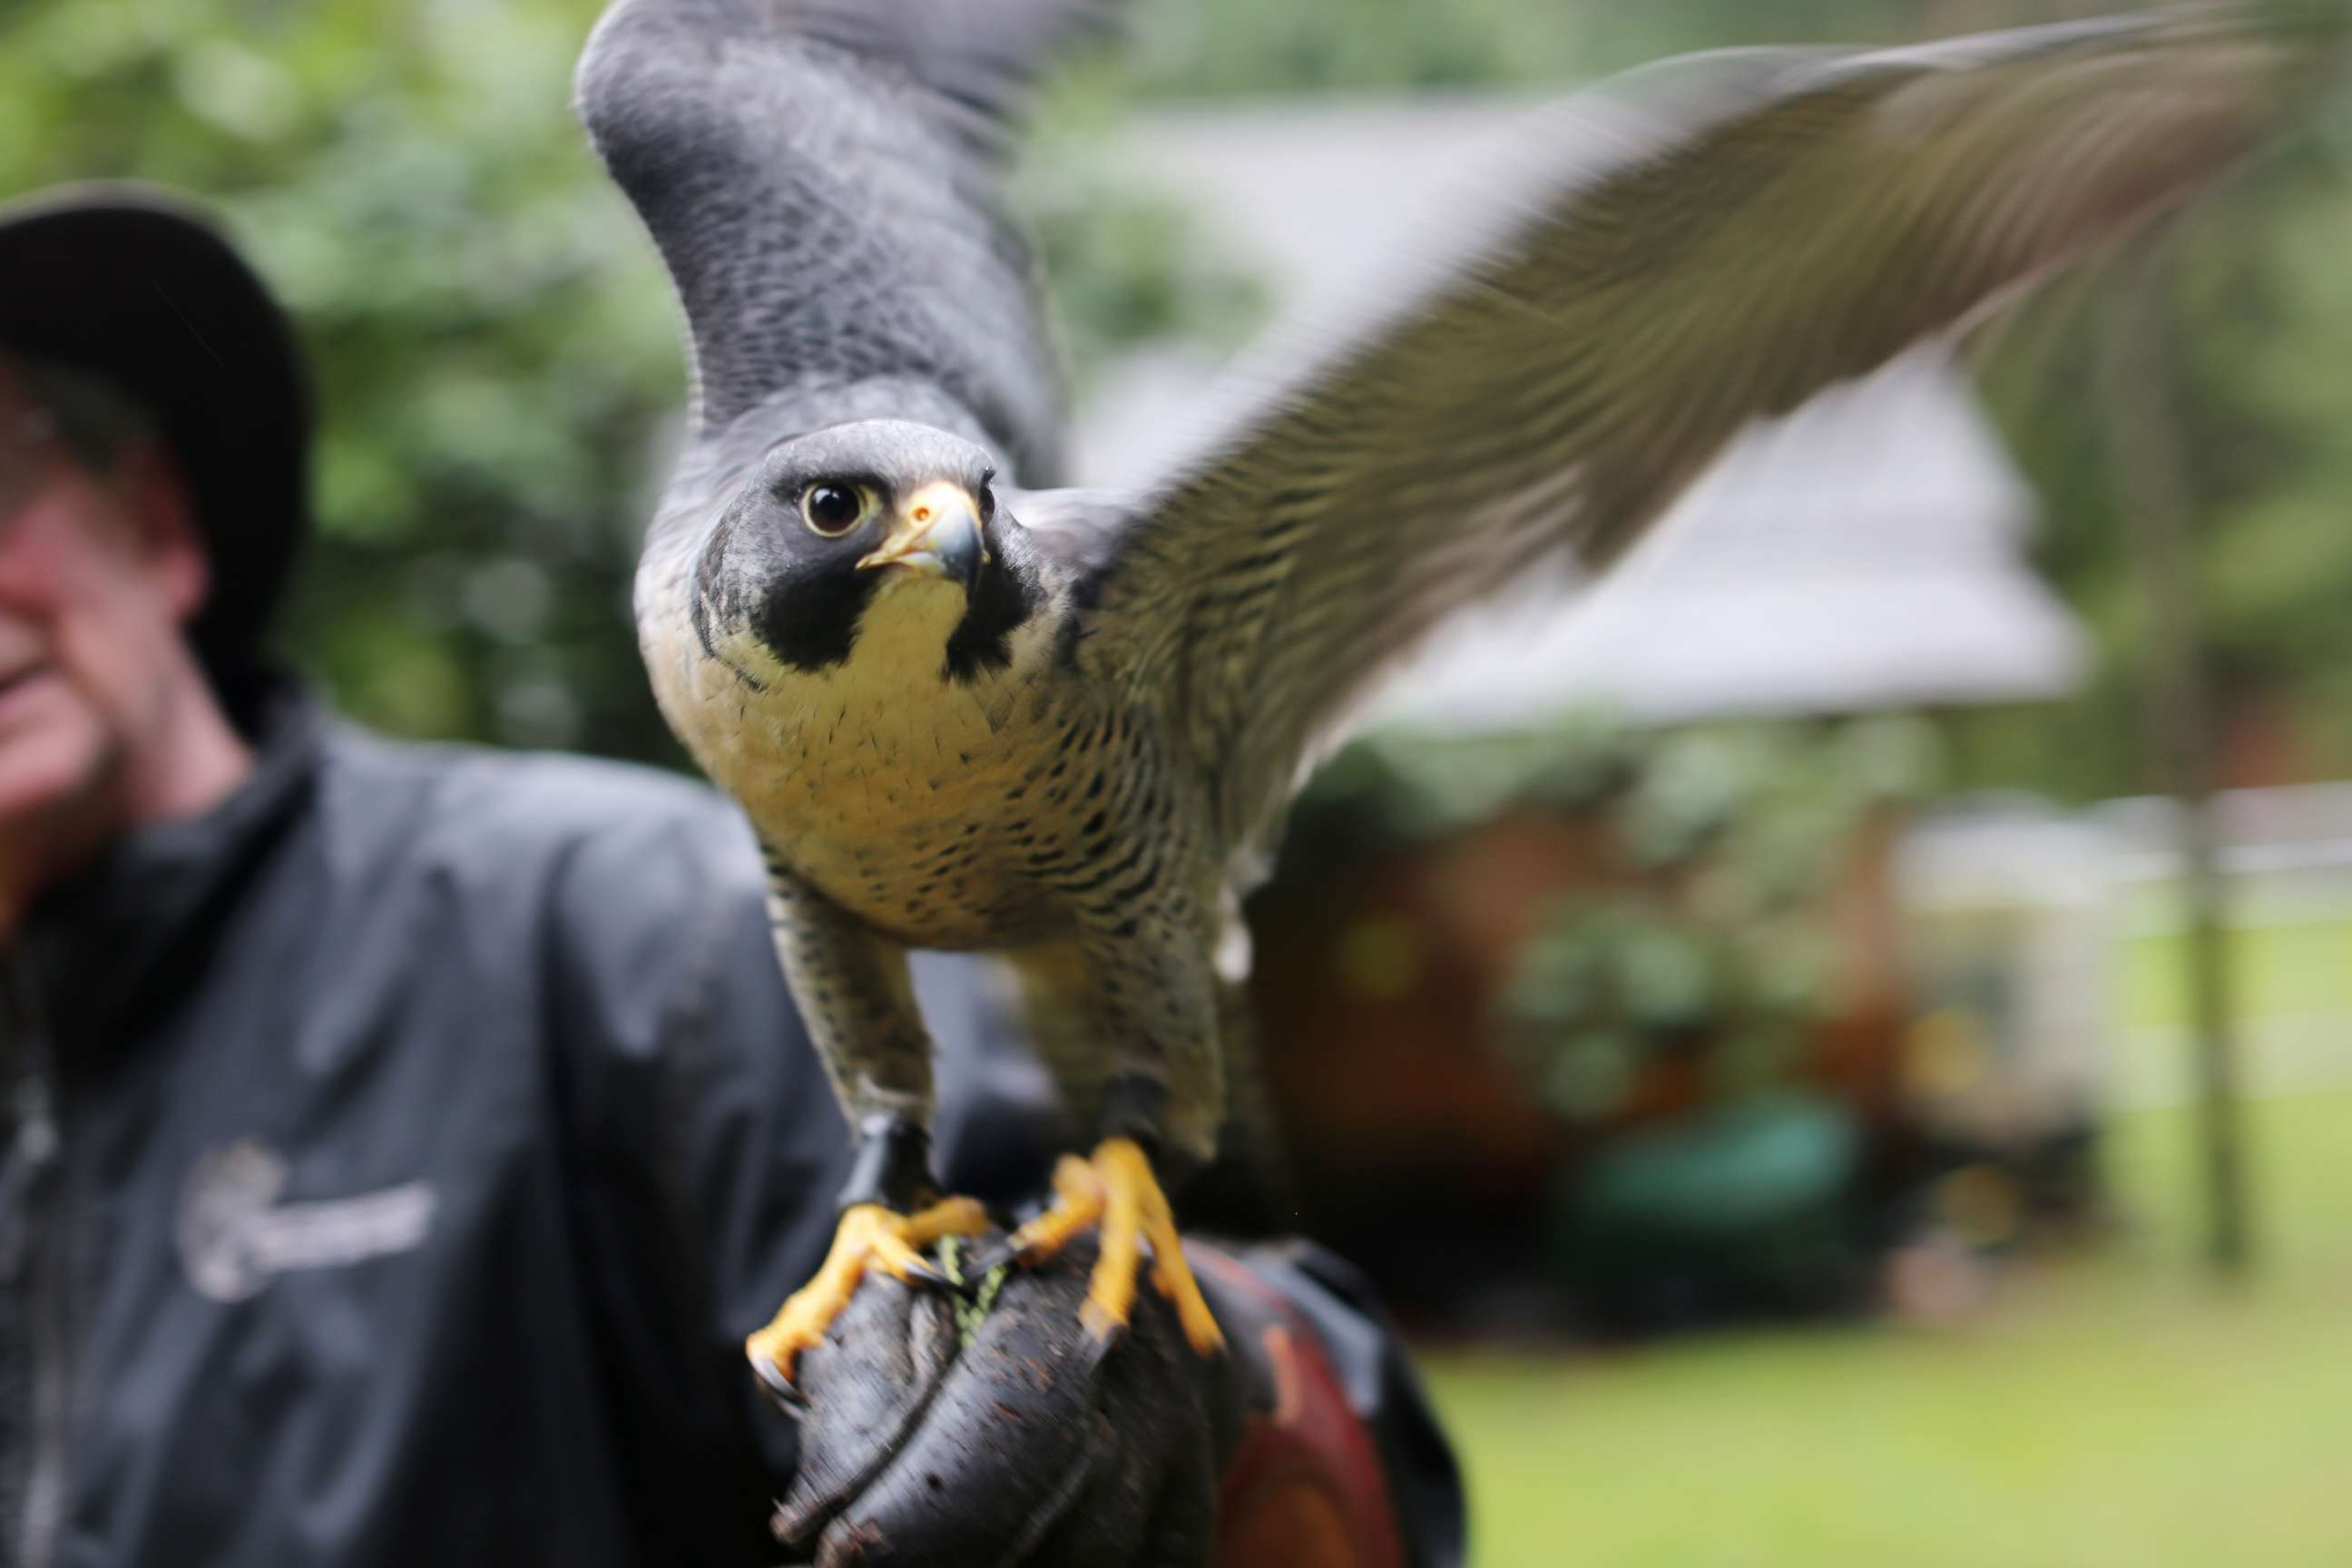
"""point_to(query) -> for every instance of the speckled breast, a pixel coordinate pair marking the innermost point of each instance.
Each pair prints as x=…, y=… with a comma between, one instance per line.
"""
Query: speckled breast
x=934, y=877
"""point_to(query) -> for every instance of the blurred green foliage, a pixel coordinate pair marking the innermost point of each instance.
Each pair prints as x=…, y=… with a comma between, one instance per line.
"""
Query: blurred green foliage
x=493, y=353
x=497, y=359
x=1721, y=953
x=1125, y=267
x=495, y=344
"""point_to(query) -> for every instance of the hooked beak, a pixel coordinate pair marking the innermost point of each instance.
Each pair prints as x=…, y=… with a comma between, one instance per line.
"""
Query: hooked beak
x=937, y=533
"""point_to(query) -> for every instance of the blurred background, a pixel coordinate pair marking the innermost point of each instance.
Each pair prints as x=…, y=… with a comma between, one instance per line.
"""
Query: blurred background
x=1746, y=1027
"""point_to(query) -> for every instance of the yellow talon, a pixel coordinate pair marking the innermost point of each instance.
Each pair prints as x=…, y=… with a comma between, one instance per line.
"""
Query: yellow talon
x=870, y=1236
x=1078, y=1204
x=1116, y=1192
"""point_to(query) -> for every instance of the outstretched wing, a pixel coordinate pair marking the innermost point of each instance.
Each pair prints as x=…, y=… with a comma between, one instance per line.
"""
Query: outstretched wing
x=1709, y=242
x=822, y=179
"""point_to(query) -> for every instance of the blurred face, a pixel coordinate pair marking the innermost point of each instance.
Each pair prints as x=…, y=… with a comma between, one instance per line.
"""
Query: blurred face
x=98, y=574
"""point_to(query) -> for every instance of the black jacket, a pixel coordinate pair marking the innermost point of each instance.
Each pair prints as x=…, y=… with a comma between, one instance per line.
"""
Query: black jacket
x=399, y=1155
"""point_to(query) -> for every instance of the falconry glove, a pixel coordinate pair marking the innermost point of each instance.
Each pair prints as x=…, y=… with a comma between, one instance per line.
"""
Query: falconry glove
x=940, y=1429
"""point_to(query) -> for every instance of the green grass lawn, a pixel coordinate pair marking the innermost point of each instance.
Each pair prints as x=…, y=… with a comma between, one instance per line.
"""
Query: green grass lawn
x=2283, y=969
x=2114, y=1410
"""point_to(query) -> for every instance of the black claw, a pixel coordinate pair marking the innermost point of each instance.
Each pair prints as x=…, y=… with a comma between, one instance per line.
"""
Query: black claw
x=981, y=1259
x=932, y=1275
x=779, y=1387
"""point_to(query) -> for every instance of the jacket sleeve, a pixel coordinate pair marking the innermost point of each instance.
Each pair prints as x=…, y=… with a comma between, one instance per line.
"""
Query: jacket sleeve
x=705, y=1147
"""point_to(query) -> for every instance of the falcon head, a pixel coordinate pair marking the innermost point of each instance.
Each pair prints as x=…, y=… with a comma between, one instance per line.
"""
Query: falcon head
x=879, y=524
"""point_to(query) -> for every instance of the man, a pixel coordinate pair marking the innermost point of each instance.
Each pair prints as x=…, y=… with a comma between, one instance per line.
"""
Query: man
x=401, y=1142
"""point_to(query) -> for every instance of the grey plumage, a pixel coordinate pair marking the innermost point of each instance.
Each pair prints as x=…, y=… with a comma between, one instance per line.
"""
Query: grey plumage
x=1076, y=762
x=821, y=177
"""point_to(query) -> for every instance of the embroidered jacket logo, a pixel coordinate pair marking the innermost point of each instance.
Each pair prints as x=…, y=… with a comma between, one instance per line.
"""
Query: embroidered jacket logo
x=235, y=1236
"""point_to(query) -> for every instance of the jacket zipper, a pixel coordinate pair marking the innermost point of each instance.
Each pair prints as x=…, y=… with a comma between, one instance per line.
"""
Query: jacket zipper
x=28, y=1189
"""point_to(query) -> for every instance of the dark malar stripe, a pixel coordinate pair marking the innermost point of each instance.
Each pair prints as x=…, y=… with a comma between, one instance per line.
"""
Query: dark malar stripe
x=809, y=619
x=1002, y=597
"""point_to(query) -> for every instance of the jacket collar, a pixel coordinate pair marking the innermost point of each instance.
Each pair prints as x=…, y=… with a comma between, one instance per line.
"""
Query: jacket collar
x=115, y=940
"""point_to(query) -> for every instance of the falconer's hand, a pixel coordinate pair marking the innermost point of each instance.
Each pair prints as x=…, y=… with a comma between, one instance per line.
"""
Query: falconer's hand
x=988, y=1428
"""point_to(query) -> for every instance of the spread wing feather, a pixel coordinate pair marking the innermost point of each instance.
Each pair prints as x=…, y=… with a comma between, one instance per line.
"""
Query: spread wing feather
x=821, y=177
x=1704, y=243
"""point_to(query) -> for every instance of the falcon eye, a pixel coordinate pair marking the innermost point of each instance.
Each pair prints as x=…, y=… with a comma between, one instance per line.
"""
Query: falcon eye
x=833, y=511
x=987, y=505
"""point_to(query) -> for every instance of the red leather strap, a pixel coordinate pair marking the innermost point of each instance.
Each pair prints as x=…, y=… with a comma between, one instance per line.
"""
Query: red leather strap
x=1305, y=1488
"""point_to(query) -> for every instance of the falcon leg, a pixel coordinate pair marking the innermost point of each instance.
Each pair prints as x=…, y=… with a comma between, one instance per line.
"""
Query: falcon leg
x=892, y=1166
x=1116, y=1192
x=853, y=991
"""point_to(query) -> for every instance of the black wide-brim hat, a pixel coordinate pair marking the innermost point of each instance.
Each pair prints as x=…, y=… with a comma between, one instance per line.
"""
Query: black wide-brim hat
x=138, y=286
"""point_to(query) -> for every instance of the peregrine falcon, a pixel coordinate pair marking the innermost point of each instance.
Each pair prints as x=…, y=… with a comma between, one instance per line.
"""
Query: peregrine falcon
x=964, y=711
